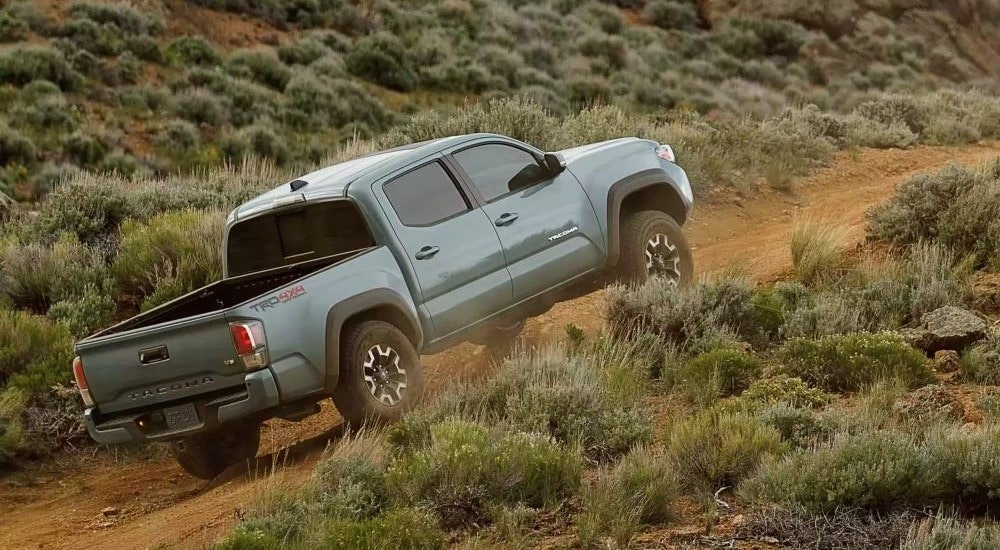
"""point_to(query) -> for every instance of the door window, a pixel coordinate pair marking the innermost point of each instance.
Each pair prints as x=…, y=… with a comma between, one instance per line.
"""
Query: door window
x=425, y=196
x=497, y=170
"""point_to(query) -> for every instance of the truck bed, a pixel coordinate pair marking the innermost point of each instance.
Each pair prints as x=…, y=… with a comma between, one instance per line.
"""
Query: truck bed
x=224, y=294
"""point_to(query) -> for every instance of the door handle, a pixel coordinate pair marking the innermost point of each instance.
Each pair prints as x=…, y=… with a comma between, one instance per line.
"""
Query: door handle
x=426, y=252
x=506, y=219
x=153, y=355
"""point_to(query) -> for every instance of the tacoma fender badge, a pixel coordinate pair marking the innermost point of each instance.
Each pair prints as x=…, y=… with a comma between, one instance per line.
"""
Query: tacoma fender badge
x=562, y=234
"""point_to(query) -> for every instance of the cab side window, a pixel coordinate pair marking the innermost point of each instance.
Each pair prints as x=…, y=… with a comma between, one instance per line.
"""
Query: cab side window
x=497, y=170
x=425, y=196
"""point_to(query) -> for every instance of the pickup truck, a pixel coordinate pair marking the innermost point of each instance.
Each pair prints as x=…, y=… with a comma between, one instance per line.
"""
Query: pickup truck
x=335, y=282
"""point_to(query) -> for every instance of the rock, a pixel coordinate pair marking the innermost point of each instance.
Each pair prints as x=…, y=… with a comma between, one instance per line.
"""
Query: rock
x=109, y=511
x=928, y=403
x=946, y=361
x=949, y=328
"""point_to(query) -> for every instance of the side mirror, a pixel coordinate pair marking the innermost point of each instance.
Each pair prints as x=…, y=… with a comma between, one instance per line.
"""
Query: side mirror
x=555, y=163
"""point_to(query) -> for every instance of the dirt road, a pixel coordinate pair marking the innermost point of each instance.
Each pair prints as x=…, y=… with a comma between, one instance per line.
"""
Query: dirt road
x=98, y=502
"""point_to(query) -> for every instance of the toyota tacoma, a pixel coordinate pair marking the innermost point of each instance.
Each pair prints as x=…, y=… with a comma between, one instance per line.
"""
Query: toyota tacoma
x=335, y=283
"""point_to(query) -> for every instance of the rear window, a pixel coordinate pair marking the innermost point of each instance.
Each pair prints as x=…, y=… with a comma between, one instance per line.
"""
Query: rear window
x=290, y=236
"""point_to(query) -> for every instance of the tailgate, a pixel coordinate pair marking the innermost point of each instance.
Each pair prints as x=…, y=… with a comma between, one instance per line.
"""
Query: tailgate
x=161, y=363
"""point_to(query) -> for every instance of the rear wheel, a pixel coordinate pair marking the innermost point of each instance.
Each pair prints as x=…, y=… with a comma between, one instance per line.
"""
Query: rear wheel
x=380, y=374
x=207, y=455
x=500, y=340
x=653, y=244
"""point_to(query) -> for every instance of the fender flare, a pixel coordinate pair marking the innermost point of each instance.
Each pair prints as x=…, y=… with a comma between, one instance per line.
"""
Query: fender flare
x=344, y=310
x=616, y=196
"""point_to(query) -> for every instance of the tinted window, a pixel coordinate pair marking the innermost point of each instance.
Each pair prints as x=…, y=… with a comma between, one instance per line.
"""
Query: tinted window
x=425, y=196
x=497, y=170
x=309, y=232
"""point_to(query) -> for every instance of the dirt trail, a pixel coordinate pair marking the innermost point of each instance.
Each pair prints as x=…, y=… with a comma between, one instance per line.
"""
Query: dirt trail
x=60, y=504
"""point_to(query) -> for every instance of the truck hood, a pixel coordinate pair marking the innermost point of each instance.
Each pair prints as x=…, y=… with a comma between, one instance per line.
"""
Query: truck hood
x=574, y=153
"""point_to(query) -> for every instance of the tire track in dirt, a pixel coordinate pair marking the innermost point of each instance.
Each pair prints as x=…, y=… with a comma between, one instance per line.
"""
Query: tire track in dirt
x=59, y=504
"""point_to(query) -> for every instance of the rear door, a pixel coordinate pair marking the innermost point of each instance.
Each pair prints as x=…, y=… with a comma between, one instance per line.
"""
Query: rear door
x=546, y=224
x=454, y=252
x=161, y=363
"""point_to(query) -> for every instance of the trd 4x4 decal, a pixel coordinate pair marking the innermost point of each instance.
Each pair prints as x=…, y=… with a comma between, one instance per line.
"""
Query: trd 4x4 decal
x=286, y=295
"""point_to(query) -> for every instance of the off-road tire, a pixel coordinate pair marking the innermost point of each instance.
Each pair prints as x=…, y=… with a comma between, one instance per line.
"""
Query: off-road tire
x=638, y=231
x=355, y=397
x=207, y=455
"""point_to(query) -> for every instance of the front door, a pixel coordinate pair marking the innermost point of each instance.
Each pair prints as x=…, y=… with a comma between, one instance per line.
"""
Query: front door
x=454, y=252
x=546, y=224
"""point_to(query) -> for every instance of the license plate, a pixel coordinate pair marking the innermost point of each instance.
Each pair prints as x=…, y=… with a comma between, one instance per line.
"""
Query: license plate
x=181, y=417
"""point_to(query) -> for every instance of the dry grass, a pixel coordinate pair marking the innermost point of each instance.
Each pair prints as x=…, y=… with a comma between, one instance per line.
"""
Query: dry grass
x=817, y=251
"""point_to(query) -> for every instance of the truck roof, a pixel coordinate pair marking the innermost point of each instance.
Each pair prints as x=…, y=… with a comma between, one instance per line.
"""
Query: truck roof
x=334, y=180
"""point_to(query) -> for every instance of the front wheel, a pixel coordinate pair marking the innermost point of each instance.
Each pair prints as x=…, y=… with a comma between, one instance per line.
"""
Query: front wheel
x=208, y=454
x=653, y=244
x=380, y=374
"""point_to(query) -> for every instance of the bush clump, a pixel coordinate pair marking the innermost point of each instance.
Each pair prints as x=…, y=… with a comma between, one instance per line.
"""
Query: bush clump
x=720, y=372
x=816, y=253
x=23, y=64
x=35, y=353
x=465, y=466
x=958, y=207
x=718, y=448
x=193, y=50
x=637, y=491
x=849, y=362
x=876, y=470
x=382, y=58
x=398, y=528
x=588, y=399
x=942, y=532
x=177, y=251
x=33, y=276
x=11, y=429
x=785, y=389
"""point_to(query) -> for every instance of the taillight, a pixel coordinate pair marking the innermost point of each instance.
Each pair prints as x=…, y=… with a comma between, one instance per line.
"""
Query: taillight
x=81, y=382
x=250, y=343
x=666, y=152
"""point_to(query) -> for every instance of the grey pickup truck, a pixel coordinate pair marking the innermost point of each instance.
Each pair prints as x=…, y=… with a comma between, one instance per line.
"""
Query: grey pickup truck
x=335, y=282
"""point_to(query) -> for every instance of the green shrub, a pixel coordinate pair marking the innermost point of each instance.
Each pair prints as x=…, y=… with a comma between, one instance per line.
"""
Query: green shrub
x=816, y=253
x=121, y=16
x=957, y=206
x=86, y=314
x=192, y=50
x=264, y=142
x=179, y=135
x=11, y=429
x=304, y=51
x=16, y=148
x=671, y=14
x=850, y=361
x=399, y=528
x=23, y=64
x=324, y=102
x=965, y=466
x=981, y=362
x=242, y=539
x=128, y=68
x=84, y=149
x=637, y=491
x=176, y=246
x=382, y=58
x=721, y=372
x=34, y=352
x=351, y=483
x=201, y=106
x=464, y=466
x=942, y=532
x=34, y=275
x=785, y=389
x=588, y=398
x=259, y=65
x=876, y=470
x=695, y=318
x=718, y=448
x=12, y=29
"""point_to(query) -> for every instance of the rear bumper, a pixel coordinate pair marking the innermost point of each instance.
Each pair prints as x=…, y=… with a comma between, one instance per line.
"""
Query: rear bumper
x=260, y=393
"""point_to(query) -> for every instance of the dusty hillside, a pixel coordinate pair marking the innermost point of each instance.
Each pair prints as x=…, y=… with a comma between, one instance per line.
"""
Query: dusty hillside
x=60, y=505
